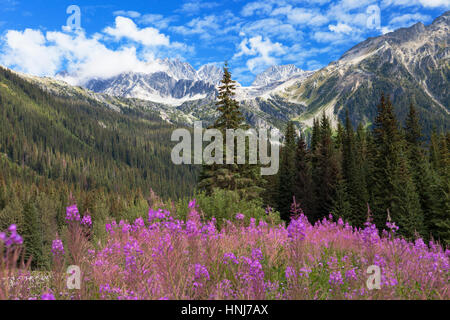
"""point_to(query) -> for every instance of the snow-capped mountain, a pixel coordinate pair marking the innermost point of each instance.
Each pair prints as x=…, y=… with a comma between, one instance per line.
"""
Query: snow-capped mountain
x=174, y=83
x=178, y=69
x=277, y=73
x=410, y=64
x=179, y=82
x=210, y=74
x=157, y=87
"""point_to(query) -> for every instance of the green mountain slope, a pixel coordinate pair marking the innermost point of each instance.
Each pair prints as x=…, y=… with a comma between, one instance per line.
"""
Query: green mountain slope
x=81, y=141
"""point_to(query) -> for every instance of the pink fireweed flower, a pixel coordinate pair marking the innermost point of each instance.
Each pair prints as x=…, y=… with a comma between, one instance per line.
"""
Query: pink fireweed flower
x=201, y=272
x=139, y=223
x=57, y=247
x=86, y=221
x=257, y=254
x=13, y=239
x=296, y=229
x=230, y=257
x=48, y=296
x=336, y=278
x=351, y=274
x=157, y=214
x=370, y=233
x=239, y=216
x=72, y=213
x=192, y=204
x=290, y=273
x=392, y=226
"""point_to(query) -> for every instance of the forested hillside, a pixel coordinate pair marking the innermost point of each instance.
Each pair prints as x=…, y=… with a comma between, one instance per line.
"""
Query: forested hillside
x=51, y=146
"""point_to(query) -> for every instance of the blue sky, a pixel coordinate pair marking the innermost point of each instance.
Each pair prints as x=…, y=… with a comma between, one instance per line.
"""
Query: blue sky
x=118, y=36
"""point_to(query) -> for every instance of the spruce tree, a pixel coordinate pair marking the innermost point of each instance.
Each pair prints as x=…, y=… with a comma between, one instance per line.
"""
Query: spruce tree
x=393, y=187
x=353, y=188
x=243, y=178
x=287, y=172
x=33, y=234
x=440, y=221
x=303, y=188
x=421, y=171
x=326, y=171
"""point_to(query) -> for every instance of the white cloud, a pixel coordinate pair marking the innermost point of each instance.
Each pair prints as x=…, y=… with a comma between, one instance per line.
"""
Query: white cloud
x=313, y=65
x=131, y=14
x=265, y=50
x=340, y=28
x=273, y=28
x=301, y=16
x=435, y=3
x=423, y=3
x=211, y=27
x=192, y=7
x=34, y=52
x=199, y=26
x=157, y=20
x=408, y=19
x=256, y=8
x=27, y=51
x=126, y=28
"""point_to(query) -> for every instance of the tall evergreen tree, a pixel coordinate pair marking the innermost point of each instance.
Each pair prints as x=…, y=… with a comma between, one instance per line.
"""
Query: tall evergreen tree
x=440, y=221
x=421, y=171
x=33, y=234
x=287, y=172
x=303, y=188
x=393, y=187
x=353, y=175
x=326, y=171
x=243, y=178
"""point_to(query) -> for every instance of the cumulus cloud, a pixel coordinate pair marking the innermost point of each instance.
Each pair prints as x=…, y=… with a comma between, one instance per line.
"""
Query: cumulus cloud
x=265, y=53
x=34, y=52
x=126, y=28
x=27, y=51
x=340, y=28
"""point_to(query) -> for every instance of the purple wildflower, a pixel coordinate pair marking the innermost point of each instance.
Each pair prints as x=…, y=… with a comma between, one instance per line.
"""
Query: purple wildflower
x=192, y=204
x=48, y=296
x=86, y=221
x=230, y=257
x=57, y=247
x=72, y=213
x=335, y=278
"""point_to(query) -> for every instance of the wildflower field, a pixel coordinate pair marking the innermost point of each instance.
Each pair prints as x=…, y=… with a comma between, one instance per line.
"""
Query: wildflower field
x=164, y=257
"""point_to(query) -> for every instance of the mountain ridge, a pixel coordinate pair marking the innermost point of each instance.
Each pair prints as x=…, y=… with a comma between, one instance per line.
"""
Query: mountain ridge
x=410, y=64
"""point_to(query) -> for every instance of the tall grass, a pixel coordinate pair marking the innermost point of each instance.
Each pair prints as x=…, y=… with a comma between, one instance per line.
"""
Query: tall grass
x=164, y=257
